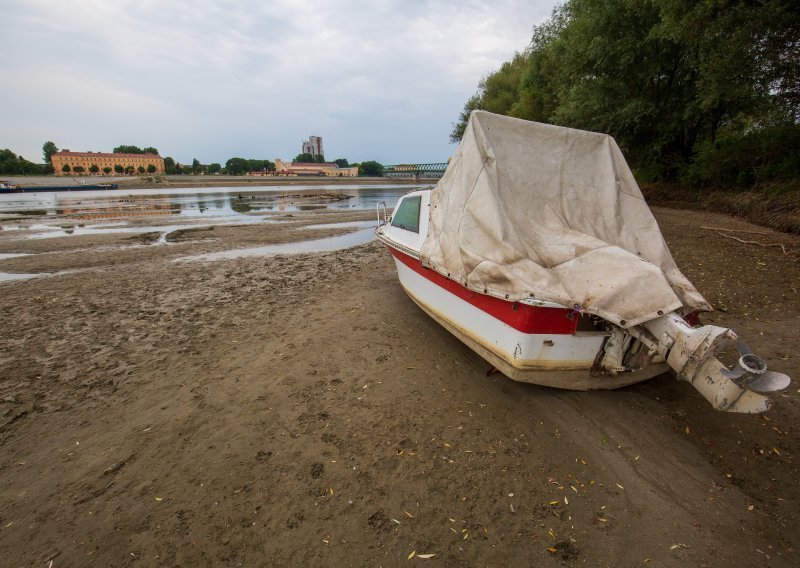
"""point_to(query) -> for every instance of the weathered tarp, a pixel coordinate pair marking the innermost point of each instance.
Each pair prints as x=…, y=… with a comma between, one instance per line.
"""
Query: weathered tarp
x=530, y=210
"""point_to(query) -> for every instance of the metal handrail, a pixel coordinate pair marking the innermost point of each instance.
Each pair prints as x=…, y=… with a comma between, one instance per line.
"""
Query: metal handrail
x=385, y=213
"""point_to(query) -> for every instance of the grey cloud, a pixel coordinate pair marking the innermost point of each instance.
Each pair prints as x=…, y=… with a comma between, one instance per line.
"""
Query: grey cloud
x=378, y=80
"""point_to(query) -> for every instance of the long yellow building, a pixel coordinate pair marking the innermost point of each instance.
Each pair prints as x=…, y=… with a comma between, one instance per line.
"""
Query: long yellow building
x=65, y=162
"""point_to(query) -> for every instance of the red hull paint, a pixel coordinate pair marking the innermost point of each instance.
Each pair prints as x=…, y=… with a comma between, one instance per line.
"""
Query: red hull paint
x=522, y=317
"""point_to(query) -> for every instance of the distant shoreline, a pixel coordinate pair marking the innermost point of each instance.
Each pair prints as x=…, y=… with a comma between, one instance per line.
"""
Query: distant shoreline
x=179, y=181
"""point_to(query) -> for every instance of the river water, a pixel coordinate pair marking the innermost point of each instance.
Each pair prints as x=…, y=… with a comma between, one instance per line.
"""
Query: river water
x=25, y=216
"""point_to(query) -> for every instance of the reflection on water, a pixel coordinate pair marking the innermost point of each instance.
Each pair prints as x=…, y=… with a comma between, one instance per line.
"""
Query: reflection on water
x=317, y=245
x=199, y=201
x=109, y=212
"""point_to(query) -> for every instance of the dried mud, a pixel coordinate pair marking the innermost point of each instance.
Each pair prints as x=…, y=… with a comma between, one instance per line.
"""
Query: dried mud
x=301, y=410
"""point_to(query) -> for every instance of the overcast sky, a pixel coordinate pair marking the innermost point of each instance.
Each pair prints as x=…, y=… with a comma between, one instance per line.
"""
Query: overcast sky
x=377, y=79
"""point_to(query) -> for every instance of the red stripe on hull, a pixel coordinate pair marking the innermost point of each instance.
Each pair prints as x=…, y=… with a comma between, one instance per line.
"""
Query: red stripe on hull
x=522, y=317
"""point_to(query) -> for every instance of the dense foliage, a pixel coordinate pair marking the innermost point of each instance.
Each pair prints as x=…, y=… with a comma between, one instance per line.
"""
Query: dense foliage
x=370, y=168
x=13, y=165
x=307, y=158
x=48, y=149
x=127, y=149
x=706, y=91
x=240, y=166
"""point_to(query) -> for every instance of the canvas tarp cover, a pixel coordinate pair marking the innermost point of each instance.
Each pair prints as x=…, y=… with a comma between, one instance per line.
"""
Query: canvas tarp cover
x=528, y=210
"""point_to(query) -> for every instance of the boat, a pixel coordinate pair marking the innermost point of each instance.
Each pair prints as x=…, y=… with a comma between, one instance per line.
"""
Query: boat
x=11, y=188
x=537, y=250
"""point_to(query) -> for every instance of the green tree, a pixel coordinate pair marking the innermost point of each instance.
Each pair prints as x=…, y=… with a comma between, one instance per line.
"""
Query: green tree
x=66, y=169
x=140, y=169
x=78, y=169
x=214, y=168
x=342, y=162
x=237, y=166
x=94, y=168
x=149, y=150
x=305, y=158
x=127, y=149
x=107, y=170
x=151, y=169
x=118, y=168
x=129, y=170
x=196, y=166
x=48, y=149
x=370, y=168
x=666, y=78
x=169, y=166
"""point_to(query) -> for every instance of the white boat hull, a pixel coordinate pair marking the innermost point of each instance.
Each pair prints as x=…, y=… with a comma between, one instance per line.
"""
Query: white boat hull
x=549, y=359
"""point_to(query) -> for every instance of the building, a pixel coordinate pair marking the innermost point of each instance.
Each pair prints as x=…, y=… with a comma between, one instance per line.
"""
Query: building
x=65, y=162
x=328, y=169
x=313, y=146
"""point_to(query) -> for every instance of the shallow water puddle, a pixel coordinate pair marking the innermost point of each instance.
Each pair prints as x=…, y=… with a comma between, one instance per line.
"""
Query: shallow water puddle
x=10, y=276
x=36, y=232
x=316, y=245
x=344, y=225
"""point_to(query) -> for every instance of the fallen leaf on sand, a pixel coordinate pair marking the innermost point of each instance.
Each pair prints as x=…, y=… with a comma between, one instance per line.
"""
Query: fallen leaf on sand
x=551, y=550
x=620, y=486
x=410, y=556
x=425, y=556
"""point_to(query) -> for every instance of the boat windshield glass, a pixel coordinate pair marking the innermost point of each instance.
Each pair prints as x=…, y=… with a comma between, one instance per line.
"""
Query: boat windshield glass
x=406, y=216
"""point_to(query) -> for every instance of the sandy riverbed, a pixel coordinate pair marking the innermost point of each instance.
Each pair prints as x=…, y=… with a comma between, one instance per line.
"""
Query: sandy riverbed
x=301, y=410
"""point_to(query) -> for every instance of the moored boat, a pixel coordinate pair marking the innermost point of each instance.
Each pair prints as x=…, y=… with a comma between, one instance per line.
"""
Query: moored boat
x=537, y=250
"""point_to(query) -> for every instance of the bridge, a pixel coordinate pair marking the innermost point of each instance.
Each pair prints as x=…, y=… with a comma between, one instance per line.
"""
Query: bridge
x=434, y=170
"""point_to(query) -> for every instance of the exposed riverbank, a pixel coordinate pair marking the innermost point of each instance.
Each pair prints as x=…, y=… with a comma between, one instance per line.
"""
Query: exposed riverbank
x=192, y=181
x=301, y=410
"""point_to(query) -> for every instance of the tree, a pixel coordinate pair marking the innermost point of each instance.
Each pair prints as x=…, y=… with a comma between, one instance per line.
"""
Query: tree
x=666, y=78
x=214, y=168
x=107, y=170
x=66, y=169
x=48, y=149
x=305, y=158
x=127, y=149
x=196, y=166
x=118, y=168
x=78, y=169
x=149, y=150
x=169, y=166
x=129, y=170
x=151, y=169
x=140, y=169
x=94, y=168
x=237, y=166
x=370, y=168
x=342, y=162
